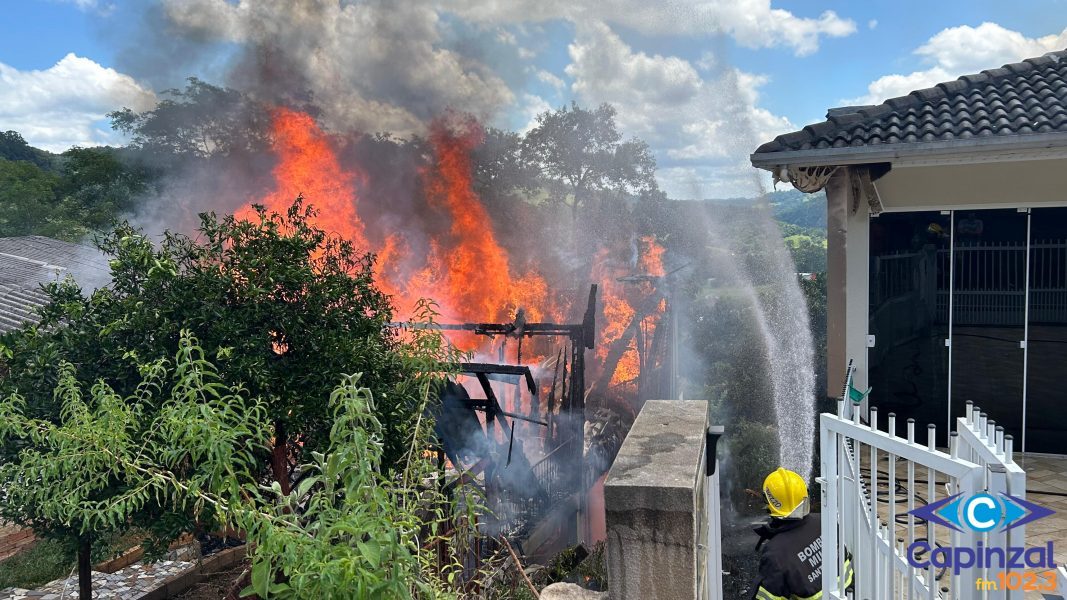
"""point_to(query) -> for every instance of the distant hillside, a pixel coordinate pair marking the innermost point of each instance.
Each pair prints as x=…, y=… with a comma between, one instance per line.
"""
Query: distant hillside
x=790, y=206
x=13, y=147
x=797, y=208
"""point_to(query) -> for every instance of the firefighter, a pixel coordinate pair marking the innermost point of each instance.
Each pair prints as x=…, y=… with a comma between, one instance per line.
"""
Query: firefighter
x=790, y=543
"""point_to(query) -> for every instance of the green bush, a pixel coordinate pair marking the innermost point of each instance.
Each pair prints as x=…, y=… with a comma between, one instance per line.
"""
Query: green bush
x=42, y=562
x=751, y=453
x=185, y=443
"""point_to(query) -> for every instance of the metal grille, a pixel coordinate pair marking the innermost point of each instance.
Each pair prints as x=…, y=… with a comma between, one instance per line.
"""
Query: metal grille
x=990, y=282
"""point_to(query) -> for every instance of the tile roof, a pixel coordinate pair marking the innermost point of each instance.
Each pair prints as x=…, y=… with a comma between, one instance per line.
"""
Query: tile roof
x=27, y=263
x=1029, y=97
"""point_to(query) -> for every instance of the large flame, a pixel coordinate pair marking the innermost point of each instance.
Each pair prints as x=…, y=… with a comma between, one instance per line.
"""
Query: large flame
x=464, y=266
x=467, y=269
x=651, y=260
x=308, y=165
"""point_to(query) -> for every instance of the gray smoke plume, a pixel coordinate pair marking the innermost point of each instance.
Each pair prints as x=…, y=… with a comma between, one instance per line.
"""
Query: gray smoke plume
x=368, y=66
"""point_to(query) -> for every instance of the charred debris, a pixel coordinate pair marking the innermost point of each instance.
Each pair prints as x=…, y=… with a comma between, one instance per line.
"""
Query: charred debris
x=521, y=440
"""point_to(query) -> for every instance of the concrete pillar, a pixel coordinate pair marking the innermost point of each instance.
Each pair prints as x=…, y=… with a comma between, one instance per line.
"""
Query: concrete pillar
x=837, y=202
x=847, y=290
x=656, y=500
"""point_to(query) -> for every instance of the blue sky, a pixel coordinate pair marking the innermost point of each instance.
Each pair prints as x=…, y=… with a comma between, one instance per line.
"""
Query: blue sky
x=702, y=81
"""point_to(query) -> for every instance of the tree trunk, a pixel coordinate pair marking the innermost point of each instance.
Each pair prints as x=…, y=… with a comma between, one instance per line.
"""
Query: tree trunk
x=85, y=568
x=279, y=460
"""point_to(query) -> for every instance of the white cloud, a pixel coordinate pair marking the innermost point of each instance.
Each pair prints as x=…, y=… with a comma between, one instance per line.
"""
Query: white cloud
x=752, y=23
x=707, y=61
x=372, y=66
x=701, y=123
x=972, y=49
x=506, y=37
x=91, y=5
x=532, y=105
x=736, y=180
x=62, y=106
x=81, y=4
x=545, y=77
x=959, y=51
x=872, y=23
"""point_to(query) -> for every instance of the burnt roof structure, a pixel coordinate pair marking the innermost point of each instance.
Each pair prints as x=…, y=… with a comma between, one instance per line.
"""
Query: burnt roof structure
x=1019, y=104
x=27, y=263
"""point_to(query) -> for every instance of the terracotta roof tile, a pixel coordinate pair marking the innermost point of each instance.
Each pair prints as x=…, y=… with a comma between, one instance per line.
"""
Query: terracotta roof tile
x=1020, y=98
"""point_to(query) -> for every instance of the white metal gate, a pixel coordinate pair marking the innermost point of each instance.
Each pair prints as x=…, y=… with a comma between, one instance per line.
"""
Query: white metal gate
x=871, y=481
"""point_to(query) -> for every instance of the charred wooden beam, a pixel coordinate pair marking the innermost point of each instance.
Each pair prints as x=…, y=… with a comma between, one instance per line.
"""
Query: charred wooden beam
x=490, y=370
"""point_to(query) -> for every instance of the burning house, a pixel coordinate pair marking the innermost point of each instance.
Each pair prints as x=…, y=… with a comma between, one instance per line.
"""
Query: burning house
x=555, y=376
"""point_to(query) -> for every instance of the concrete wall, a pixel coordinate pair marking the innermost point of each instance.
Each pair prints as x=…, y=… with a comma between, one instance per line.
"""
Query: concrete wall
x=656, y=500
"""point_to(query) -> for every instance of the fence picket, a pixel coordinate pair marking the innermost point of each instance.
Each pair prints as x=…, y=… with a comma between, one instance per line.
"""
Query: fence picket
x=979, y=458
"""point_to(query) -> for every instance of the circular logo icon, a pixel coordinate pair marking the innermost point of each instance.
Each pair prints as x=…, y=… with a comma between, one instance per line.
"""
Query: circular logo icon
x=982, y=512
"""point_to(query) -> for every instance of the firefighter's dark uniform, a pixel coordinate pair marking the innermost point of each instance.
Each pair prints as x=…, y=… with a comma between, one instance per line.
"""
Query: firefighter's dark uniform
x=790, y=566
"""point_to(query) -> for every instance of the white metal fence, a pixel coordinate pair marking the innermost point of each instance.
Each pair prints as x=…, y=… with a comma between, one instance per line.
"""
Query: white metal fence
x=990, y=281
x=871, y=481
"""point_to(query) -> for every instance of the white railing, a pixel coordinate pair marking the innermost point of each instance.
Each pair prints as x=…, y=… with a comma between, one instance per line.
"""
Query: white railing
x=983, y=442
x=872, y=480
x=894, y=275
x=990, y=281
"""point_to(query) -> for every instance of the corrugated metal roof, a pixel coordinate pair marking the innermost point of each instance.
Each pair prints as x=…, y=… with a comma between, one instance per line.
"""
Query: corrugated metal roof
x=1018, y=99
x=29, y=262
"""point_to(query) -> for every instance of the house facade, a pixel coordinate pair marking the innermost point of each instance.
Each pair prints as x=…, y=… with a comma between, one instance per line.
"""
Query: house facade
x=947, y=247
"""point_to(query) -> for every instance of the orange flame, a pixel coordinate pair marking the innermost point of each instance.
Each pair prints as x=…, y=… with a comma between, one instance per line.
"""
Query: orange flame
x=651, y=261
x=465, y=268
x=308, y=165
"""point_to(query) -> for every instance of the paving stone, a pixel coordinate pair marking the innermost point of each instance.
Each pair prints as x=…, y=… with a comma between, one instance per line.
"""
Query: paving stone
x=131, y=583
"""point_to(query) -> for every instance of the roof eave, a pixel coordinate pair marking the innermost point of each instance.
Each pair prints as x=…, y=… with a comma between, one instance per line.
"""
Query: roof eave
x=968, y=150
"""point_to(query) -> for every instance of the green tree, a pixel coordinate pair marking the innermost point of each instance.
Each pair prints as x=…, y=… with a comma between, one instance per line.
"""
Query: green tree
x=14, y=147
x=498, y=163
x=85, y=191
x=70, y=480
x=809, y=254
x=199, y=121
x=185, y=443
x=284, y=308
x=814, y=290
x=577, y=152
x=27, y=198
x=97, y=186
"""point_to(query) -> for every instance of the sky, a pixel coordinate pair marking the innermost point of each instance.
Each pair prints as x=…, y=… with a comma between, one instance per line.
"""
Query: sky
x=702, y=81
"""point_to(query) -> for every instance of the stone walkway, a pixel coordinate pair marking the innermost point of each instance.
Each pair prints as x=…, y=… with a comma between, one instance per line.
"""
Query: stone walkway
x=130, y=583
x=1046, y=484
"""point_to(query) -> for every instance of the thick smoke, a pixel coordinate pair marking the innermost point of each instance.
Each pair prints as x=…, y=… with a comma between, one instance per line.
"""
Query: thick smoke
x=361, y=69
x=367, y=66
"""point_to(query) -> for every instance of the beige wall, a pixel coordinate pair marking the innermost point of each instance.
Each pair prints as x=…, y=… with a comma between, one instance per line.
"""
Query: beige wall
x=984, y=185
x=1031, y=183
